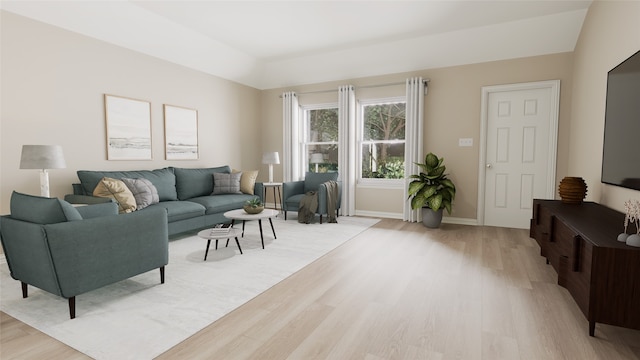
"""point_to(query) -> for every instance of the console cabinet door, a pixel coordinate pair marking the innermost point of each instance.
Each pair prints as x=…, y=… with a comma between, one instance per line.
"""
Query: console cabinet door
x=578, y=276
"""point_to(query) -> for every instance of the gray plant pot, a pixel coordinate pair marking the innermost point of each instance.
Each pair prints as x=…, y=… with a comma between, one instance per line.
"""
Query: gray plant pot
x=431, y=219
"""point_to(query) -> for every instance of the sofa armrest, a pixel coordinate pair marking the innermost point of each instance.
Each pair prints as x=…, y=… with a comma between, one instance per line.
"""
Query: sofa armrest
x=97, y=210
x=258, y=190
x=86, y=199
x=292, y=188
x=88, y=254
x=27, y=254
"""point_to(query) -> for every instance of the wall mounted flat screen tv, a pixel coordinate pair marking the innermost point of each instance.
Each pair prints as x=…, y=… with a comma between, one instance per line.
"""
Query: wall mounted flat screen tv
x=621, y=150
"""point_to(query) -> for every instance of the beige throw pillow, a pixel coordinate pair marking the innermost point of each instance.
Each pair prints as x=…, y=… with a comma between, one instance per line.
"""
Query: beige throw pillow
x=247, y=181
x=117, y=190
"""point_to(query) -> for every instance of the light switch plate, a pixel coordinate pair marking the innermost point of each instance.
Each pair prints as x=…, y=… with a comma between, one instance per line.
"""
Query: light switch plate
x=465, y=142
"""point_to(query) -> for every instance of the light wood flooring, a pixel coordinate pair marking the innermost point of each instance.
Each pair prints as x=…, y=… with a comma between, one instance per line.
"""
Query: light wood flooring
x=396, y=291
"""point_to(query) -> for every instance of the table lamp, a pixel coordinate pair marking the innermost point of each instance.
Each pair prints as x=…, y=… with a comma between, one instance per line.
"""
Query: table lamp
x=316, y=158
x=271, y=158
x=42, y=157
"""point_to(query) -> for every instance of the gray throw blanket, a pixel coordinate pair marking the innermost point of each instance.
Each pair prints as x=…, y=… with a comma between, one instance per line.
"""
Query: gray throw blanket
x=309, y=204
x=332, y=200
x=308, y=207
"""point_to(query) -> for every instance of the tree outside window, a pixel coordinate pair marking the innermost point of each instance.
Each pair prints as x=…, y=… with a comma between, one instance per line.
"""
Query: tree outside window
x=383, y=139
x=321, y=139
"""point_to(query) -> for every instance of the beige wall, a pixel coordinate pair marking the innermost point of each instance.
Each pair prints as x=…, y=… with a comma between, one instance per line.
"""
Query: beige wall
x=610, y=34
x=452, y=111
x=53, y=83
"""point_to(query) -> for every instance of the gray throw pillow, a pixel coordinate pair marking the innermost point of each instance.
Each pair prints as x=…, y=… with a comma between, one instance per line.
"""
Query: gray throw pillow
x=143, y=191
x=226, y=183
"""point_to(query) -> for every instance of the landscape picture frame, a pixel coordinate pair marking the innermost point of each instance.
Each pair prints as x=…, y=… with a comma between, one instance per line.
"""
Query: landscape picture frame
x=128, y=128
x=180, y=133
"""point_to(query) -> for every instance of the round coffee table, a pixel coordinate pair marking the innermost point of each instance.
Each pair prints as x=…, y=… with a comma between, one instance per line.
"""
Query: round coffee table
x=240, y=214
x=209, y=235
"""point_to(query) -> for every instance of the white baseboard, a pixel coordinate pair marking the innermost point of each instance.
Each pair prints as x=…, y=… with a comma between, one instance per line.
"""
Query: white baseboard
x=445, y=219
x=379, y=214
x=459, y=221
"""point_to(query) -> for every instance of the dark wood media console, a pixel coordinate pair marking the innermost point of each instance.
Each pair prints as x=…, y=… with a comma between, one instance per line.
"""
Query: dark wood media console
x=602, y=274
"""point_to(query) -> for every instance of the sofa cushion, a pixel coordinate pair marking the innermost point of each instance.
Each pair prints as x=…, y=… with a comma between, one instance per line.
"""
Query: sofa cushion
x=143, y=191
x=192, y=183
x=247, y=181
x=70, y=212
x=41, y=210
x=226, y=183
x=221, y=203
x=313, y=180
x=117, y=190
x=179, y=210
x=163, y=179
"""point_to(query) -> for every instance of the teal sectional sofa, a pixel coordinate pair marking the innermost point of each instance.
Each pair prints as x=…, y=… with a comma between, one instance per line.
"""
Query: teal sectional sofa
x=185, y=193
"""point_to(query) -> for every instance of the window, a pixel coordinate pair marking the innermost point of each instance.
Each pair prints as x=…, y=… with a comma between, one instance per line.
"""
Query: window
x=382, y=124
x=320, y=138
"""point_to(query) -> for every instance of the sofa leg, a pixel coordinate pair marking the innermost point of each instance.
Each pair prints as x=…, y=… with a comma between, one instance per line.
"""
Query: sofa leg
x=320, y=219
x=24, y=290
x=285, y=215
x=162, y=273
x=72, y=307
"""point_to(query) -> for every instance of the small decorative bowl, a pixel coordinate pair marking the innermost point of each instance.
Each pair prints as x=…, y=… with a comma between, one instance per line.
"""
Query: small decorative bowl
x=253, y=209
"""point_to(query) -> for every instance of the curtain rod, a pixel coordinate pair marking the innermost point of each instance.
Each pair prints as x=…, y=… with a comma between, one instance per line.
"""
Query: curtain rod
x=426, y=81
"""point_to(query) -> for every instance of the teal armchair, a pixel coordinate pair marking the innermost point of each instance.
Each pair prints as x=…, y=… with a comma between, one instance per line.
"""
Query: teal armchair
x=68, y=250
x=293, y=192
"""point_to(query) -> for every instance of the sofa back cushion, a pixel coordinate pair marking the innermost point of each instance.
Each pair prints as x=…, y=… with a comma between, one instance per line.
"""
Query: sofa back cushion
x=163, y=179
x=313, y=180
x=191, y=183
x=41, y=210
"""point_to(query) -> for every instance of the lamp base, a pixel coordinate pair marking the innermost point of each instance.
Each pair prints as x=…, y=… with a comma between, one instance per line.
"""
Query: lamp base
x=44, y=183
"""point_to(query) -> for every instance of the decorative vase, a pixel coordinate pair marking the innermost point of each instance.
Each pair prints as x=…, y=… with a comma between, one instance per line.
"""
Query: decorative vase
x=572, y=190
x=253, y=209
x=431, y=219
x=633, y=240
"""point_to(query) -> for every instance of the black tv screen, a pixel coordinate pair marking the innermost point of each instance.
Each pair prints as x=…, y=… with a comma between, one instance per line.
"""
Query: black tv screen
x=621, y=150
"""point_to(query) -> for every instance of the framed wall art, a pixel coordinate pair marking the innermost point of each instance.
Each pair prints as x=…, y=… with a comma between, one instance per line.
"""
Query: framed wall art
x=181, y=133
x=128, y=128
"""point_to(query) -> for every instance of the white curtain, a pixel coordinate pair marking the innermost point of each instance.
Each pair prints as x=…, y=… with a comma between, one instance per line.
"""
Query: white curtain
x=290, y=118
x=413, y=140
x=347, y=148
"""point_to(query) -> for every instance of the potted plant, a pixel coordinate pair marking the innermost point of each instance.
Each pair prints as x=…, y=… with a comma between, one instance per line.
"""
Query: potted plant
x=431, y=190
x=253, y=206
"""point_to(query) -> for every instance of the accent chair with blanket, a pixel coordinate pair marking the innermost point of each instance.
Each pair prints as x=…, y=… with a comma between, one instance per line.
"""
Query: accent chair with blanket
x=318, y=193
x=68, y=251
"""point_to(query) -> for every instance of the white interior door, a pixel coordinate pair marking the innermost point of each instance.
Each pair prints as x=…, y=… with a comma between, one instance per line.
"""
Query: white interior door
x=520, y=123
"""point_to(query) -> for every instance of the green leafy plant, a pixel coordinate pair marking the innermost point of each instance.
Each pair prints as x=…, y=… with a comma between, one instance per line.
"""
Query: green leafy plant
x=254, y=203
x=431, y=188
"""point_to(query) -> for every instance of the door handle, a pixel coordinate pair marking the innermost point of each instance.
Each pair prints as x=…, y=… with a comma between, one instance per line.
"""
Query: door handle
x=489, y=166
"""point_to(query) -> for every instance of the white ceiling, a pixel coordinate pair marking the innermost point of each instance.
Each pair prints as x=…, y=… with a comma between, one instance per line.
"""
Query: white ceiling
x=270, y=44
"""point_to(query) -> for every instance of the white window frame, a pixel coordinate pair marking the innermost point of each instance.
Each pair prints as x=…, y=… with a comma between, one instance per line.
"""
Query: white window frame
x=304, y=135
x=370, y=182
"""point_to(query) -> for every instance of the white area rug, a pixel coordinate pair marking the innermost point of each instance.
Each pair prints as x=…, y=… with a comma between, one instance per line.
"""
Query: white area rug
x=140, y=318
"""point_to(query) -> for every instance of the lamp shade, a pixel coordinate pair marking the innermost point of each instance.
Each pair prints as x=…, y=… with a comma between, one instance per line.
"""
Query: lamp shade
x=42, y=157
x=316, y=158
x=271, y=158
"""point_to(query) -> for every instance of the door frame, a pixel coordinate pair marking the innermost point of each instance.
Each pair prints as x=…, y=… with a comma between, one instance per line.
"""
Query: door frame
x=554, y=106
